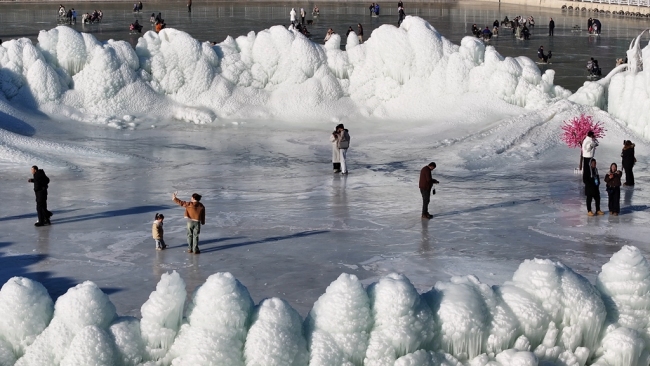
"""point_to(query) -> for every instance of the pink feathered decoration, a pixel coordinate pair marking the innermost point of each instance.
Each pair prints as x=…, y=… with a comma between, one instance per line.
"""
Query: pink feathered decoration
x=576, y=129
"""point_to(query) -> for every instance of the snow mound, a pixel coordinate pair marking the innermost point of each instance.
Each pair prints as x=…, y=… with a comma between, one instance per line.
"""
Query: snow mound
x=546, y=315
x=276, y=73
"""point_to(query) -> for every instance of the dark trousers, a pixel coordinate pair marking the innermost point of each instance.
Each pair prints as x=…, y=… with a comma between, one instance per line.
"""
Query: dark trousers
x=629, y=175
x=614, y=203
x=426, y=198
x=337, y=166
x=41, y=206
x=593, y=194
x=550, y=31
x=189, y=8
x=586, y=172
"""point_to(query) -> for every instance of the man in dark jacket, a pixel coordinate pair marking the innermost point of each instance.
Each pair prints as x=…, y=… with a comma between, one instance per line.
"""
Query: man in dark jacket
x=551, y=27
x=592, y=188
x=41, y=182
x=628, y=162
x=426, y=183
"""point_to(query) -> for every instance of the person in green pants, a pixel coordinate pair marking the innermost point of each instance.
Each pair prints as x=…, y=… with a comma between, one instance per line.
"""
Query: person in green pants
x=195, y=215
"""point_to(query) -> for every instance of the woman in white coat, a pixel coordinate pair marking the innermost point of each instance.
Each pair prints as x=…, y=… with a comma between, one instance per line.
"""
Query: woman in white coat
x=336, y=157
x=292, y=16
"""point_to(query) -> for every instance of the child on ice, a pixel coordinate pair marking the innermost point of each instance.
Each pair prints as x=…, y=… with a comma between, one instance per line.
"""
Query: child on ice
x=157, y=231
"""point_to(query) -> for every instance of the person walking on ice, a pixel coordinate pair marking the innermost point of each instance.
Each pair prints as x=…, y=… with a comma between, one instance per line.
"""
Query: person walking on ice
x=41, y=182
x=157, y=231
x=613, y=180
x=336, y=161
x=592, y=188
x=343, y=145
x=426, y=184
x=292, y=16
x=589, y=145
x=195, y=215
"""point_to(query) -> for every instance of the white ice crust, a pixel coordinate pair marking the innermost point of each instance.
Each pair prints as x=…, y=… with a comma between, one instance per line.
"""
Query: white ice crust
x=546, y=315
x=407, y=72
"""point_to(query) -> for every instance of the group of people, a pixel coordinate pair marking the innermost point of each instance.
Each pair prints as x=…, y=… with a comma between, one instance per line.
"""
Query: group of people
x=303, y=14
x=95, y=16
x=70, y=16
x=157, y=21
x=591, y=178
x=359, y=32
x=374, y=9
x=340, y=140
x=485, y=33
x=593, y=26
x=194, y=212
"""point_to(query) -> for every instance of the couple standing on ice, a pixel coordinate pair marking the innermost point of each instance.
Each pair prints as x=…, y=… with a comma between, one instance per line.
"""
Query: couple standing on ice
x=591, y=178
x=340, y=140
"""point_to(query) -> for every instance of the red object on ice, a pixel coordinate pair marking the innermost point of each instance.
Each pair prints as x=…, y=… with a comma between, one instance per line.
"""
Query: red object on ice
x=576, y=129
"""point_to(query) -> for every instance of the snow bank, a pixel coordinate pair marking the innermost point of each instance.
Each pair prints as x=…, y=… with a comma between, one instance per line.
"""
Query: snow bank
x=546, y=315
x=276, y=73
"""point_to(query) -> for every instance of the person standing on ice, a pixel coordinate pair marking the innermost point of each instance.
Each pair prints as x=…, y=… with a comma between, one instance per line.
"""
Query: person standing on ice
x=360, y=33
x=551, y=27
x=628, y=162
x=343, y=139
x=426, y=184
x=401, y=17
x=41, y=182
x=589, y=145
x=302, y=15
x=592, y=188
x=336, y=160
x=292, y=16
x=189, y=6
x=195, y=215
x=157, y=231
x=74, y=16
x=613, y=180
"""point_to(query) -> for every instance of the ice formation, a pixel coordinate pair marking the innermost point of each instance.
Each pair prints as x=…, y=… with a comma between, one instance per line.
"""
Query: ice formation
x=546, y=315
x=276, y=73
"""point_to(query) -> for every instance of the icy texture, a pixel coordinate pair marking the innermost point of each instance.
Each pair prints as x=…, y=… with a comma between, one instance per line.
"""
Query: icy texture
x=218, y=319
x=339, y=325
x=276, y=73
x=275, y=337
x=162, y=315
x=26, y=310
x=546, y=315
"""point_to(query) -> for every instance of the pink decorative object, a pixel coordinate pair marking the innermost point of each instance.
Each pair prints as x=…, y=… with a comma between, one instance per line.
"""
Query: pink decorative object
x=576, y=129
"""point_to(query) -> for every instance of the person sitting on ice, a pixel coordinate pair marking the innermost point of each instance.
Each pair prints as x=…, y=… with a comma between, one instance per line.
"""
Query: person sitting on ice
x=596, y=69
x=305, y=32
x=525, y=32
x=152, y=19
x=590, y=66
x=487, y=34
x=495, y=24
x=135, y=26
x=100, y=15
x=476, y=31
x=316, y=11
x=540, y=55
x=495, y=31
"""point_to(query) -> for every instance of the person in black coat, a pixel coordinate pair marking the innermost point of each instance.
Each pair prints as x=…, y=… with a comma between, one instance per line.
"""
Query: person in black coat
x=41, y=182
x=592, y=188
x=426, y=184
x=551, y=27
x=628, y=162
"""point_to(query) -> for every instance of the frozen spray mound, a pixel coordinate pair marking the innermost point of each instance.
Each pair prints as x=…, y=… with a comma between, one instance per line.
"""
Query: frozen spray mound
x=276, y=73
x=546, y=315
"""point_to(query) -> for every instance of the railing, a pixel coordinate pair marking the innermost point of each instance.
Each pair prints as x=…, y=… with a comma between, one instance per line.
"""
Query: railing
x=645, y=3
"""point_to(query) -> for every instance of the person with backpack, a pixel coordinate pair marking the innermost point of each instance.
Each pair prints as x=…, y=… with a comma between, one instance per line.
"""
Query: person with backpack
x=343, y=143
x=195, y=215
x=41, y=182
x=426, y=184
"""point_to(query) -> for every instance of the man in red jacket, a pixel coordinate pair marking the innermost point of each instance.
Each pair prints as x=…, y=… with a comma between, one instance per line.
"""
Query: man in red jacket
x=426, y=183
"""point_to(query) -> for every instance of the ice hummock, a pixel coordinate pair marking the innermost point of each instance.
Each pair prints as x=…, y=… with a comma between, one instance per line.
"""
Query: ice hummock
x=546, y=315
